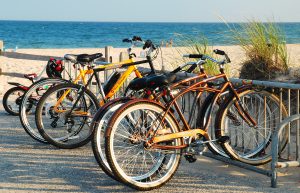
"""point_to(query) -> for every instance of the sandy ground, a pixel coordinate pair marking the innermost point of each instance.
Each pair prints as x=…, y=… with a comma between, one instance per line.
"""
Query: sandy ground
x=15, y=64
x=29, y=166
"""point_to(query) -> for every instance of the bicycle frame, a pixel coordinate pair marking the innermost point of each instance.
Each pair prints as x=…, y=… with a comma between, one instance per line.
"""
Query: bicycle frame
x=201, y=87
x=130, y=63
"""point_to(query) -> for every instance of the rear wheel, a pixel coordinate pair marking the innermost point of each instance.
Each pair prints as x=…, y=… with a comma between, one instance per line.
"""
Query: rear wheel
x=99, y=125
x=12, y=99
x=250, y=144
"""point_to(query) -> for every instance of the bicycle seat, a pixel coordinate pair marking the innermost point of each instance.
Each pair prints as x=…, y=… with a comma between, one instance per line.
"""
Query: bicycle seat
x=160, y=80
x=138, y=84
x=71, y=57
x=85, y=58
x=30, y=76
x=152, y=81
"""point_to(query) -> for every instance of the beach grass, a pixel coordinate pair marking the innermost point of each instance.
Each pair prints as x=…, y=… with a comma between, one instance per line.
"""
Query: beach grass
x=195, y=45
x=265, y=48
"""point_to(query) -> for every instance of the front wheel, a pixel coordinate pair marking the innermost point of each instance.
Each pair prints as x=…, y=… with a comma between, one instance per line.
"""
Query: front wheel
x=31, y=97
x=130, y=161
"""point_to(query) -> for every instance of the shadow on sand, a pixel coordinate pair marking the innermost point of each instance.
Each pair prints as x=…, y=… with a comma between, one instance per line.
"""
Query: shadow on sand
x=23, y=56
x=13, y=74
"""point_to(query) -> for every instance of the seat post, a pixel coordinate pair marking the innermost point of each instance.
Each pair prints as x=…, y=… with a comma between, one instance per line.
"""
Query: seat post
x=151, y=64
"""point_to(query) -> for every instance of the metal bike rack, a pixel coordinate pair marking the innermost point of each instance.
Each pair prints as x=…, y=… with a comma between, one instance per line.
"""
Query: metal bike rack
x=293, y=116
x=275, y=142
x=285, y=91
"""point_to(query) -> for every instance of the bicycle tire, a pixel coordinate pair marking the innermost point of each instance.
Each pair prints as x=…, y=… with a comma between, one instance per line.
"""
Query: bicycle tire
x=28, y=125
x=259, y=155
x=137, y=182
x=99, y=124
x=65, y=142
x=6, y=96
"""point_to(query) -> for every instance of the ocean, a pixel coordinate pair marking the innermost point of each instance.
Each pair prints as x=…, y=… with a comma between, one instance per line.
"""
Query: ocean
x=44, y=34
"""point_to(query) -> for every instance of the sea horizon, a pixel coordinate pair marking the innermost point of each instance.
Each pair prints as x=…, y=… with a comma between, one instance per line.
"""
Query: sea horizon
x=23, y=34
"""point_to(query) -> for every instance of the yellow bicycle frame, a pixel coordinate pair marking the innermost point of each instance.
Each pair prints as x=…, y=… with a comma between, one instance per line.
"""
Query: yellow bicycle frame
x=115, y=88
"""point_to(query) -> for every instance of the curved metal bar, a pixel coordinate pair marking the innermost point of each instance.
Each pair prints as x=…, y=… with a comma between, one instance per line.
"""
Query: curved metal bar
x=275, y=140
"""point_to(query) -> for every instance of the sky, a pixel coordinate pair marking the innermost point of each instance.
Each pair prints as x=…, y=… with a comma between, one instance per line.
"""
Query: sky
x=151, y=10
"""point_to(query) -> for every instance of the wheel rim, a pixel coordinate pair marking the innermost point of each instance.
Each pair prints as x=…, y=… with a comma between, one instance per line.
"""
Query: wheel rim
x=64, y=127
x=258, y=137
x=28, y=118
x=145, y=174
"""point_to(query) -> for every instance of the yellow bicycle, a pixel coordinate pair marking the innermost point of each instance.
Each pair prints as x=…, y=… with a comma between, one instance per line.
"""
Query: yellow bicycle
x=64, y=112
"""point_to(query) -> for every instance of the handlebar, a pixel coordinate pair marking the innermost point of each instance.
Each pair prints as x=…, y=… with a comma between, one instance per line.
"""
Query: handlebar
x=222, y=53
x=134, y=39
x=206, y=57
x=147, y=43
x=137, y=38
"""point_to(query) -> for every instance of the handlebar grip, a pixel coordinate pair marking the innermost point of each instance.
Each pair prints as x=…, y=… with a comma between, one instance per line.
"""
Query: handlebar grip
x=177, y=70
x=149, y=44
x=193, y=55
x=137, y=38
x=98, y=55
x=222, y=53
x=219, y=52
x=127, y=40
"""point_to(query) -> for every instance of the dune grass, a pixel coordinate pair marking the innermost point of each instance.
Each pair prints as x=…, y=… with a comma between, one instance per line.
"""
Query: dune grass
x=194, y=45
x=265, y=48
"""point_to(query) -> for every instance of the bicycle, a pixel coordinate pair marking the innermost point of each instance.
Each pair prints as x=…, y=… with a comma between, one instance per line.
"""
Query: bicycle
x=13, y=96
x=38, y=88
x=102, y=116
x=144, y=142
x=71, y=106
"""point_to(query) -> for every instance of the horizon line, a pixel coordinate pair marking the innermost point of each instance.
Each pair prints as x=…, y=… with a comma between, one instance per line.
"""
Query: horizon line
x=28, y=20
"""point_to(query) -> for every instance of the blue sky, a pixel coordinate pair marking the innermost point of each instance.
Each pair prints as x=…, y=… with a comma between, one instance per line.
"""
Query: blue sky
x=150, y=10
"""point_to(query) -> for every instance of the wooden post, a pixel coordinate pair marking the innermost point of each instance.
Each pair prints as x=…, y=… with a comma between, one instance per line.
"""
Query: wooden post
x=108, y=51
x=1, y=50
x=108, y=58
x=123, y=56
x=1, y=46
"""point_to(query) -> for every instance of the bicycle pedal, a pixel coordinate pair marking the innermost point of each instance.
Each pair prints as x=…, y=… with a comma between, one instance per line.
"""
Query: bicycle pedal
x=223, y=139
x=190, y=158
x=73, y=137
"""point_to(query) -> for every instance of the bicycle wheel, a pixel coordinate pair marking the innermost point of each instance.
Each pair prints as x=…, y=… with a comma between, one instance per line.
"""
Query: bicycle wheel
x=99, y=125
x=130, y=162
x=31, y=97
x=11, y=100
x=250, y=144
x=65, y=128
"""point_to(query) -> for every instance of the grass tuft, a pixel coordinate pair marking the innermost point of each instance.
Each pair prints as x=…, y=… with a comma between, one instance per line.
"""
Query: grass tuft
x=265, y=48
x=194, y=45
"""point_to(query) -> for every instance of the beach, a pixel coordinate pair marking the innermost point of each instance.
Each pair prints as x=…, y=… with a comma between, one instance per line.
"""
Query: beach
x=25, y=61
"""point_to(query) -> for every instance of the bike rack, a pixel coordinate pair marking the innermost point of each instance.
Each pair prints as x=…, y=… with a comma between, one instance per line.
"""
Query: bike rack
x=276, y=162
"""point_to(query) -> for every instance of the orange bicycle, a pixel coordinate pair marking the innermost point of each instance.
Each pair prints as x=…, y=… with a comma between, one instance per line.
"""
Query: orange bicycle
x=144, y=141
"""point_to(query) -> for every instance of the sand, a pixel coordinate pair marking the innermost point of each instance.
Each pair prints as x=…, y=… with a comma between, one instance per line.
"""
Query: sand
x=15, y=64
